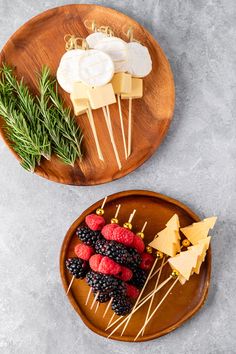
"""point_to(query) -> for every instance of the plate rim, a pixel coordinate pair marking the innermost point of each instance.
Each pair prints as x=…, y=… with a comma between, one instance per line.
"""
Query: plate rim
x=70, y=234
x=139, y=163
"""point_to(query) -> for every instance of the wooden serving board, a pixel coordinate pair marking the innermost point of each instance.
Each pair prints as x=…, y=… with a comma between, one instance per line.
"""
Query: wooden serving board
x=183, y=302
x=41, y=41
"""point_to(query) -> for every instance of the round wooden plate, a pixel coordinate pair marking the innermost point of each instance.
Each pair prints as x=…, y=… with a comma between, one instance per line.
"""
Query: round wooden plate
x=183, y=302
x=41, y=41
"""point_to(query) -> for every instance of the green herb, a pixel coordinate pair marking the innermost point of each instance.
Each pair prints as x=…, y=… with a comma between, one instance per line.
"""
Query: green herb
x=65, y=133
x=36, y=126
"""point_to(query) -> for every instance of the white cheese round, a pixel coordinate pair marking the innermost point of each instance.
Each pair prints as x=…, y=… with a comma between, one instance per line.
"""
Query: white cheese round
x=68, y=70
x=94, y=38
x=96, y=68
x=116, y=48
x=139, y=60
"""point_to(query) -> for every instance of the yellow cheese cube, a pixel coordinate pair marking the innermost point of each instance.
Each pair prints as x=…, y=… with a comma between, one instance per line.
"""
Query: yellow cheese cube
x=101, y=96
x=80, y=106
x=137, y=89
x=121, y=83
x=79, y=91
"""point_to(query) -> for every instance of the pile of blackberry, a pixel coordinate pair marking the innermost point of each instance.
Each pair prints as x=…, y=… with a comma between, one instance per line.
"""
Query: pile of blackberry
x=108, y=286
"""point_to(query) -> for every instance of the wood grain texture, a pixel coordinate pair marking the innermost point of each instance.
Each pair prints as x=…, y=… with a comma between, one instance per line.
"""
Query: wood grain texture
x=41, y=41
x=183, y=302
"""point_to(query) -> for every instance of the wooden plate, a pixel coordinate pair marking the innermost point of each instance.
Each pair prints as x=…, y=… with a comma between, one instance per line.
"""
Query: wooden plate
x=41, y=41
x=183, y=302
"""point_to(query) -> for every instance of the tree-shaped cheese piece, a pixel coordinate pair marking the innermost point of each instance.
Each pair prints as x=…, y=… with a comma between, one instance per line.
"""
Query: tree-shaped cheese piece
x=184, y=262
x=199, y=230
x=167, y=240
x=200, y=249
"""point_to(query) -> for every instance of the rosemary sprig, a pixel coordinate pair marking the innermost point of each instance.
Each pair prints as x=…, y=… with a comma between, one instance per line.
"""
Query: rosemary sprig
x=65, y=133
x=37, y=125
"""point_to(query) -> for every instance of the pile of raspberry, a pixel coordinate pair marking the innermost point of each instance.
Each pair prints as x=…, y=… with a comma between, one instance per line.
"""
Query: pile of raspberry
x=113, y=261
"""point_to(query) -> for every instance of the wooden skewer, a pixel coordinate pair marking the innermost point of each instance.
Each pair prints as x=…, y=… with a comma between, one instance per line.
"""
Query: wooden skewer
x=160, y=266
x=94, y=300
x=122, y=125
x=104, y=202
x=130, y=127
x=107, y=307
x=92, y=124
x=97, y=307
x=71, y=282
x=107, y=116
x=152, y=298
x=138, y=307
x=111, y=319
x=157, y=307
x=140, y=294
x=88, y=296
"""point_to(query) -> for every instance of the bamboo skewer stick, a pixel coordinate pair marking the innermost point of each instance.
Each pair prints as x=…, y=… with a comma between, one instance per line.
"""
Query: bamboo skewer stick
x=94, y=300
x=141, y=293
x=88, y=296
x=138, y=307
x=71, y=282
x=111, y=319
x=107, y=307
x=130, y=127
x=122, y=125
x=157, y=307
x=97, y=307
x=107, y=116
x=92, y=124
x=152, y=298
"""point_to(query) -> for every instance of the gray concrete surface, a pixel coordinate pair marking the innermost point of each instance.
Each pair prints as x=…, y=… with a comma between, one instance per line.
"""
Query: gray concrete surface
x=195, y=164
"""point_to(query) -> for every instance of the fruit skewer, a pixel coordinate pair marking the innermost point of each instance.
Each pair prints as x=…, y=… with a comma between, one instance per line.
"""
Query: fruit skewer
x=126, y=225
x=73, y=266
x=114, y=220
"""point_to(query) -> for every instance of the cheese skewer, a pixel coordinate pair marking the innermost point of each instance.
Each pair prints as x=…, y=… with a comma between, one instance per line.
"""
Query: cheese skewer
x=92, y=124
x=130, y=127
x=122, y=125
x=107, y=116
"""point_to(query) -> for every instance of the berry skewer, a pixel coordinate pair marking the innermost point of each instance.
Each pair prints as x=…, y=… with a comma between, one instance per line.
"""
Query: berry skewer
x=106, y=265
x=114, y=220
x=79, y=264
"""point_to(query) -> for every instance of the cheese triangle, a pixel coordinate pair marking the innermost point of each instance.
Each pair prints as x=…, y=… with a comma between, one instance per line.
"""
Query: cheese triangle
x=184, y=263
x=199, y=230
x=200, y=249
x=173, y=223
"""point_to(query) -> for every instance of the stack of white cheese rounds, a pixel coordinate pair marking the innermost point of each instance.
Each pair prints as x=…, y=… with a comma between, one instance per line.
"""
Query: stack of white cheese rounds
x=110, y=68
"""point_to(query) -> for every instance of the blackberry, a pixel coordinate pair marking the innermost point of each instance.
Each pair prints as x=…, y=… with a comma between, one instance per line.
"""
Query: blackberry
x=120, y=290
x=121, y=306
x=139, y=278
x=116, y=251
x=136, y=258
x=102, y=282
x=77, y=266
x=87, y=236
x=103, y=297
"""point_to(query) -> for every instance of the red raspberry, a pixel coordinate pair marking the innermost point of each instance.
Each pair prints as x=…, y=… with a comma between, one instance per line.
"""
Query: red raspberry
x=108, y=230
x=95, y=222
x=108, y=266
x=125, y=274
x=123, y=235
x=94, y=262
x=132, y=291
x=138, y=244
x=147, y=261
x=83, y=251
